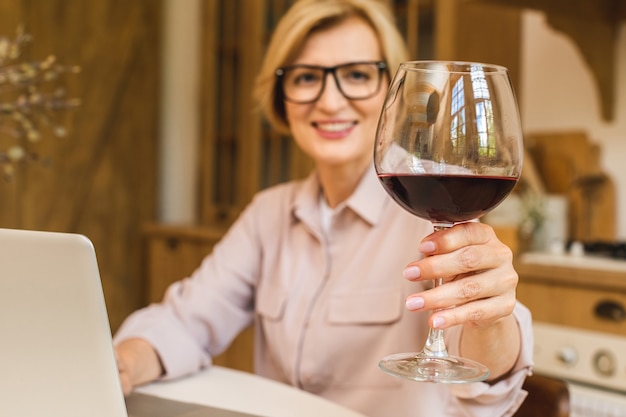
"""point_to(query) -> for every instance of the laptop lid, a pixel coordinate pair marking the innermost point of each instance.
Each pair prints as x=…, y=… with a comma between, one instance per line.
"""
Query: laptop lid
x=56, y=356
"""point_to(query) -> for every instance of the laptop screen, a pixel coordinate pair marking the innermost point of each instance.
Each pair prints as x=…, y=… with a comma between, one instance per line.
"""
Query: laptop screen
x=57, y=354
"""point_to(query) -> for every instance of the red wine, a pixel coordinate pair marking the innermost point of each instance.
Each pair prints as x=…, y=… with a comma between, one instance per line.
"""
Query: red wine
x=447, y=198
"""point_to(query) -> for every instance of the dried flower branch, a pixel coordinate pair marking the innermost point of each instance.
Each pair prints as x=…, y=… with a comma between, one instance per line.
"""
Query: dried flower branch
x=29, y=99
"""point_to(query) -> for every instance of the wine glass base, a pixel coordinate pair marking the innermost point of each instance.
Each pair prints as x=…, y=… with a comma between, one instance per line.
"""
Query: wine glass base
x=425, y=368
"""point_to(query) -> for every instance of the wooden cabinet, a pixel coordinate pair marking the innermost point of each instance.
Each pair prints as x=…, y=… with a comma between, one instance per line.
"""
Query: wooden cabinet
x=575, y=295
x=172, y=253
x=569, y=164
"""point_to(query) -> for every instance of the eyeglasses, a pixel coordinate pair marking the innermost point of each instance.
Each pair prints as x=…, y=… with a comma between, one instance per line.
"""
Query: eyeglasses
x=355, y=80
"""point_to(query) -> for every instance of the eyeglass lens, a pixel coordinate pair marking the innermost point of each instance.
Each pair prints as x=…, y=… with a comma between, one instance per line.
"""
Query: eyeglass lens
x=305, y=84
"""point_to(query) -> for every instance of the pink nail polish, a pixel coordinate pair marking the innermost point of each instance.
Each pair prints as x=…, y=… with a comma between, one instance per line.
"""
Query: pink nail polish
x=414, y=303
x=411, y=272
x=438, y=322
x=427, y=247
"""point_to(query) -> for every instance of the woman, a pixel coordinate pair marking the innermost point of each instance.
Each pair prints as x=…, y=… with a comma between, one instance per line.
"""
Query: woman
x=317, y=265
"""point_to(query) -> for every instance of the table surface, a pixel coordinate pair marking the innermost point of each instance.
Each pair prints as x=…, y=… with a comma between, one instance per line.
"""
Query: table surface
x=248, y=393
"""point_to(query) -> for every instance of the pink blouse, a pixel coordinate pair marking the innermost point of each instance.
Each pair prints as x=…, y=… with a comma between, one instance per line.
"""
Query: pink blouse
x=326, y=305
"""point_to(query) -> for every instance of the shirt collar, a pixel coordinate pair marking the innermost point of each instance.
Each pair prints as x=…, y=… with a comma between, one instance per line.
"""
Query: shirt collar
x=367, y=201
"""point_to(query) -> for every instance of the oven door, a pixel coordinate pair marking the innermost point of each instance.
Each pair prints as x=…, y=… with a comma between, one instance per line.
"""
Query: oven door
x=589, y=401
x=593, y=364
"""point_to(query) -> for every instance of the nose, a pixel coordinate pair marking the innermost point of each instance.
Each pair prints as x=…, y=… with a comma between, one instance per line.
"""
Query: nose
x=331, y=97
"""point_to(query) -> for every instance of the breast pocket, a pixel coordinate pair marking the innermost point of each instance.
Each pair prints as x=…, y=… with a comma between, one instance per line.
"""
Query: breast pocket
x=364, y=326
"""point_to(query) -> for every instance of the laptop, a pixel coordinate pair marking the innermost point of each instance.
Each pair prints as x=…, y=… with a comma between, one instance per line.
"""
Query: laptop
x=56, y=351
x=144, y=405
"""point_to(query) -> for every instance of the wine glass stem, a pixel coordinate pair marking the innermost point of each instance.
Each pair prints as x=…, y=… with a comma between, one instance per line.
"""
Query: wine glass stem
x=435, y=344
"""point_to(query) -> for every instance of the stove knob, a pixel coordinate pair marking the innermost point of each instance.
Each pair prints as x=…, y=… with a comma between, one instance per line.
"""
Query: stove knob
x=604, y=363
x=567, y=355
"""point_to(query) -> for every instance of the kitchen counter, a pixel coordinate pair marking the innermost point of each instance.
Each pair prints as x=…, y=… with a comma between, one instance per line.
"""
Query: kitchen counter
x=583, y=270
x=584, y=292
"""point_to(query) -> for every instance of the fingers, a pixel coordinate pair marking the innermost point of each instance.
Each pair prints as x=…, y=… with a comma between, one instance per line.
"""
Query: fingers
x=465, y=249
x=484, y=286
x=461, y=235
x=478, y=313
x=479, y=278
x=125, y=380
x=137, y=362
x=123, y=374
x=474, y=301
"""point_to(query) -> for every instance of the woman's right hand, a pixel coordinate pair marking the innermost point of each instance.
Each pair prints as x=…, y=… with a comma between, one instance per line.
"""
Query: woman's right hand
x=137, y=363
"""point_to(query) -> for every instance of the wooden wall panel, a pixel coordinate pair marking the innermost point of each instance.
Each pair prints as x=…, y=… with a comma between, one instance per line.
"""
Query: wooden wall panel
x=173, y=253
x=100, y=180
x=474, y=31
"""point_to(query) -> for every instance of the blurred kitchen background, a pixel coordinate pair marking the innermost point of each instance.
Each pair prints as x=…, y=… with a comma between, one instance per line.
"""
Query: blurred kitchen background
x=165, y=148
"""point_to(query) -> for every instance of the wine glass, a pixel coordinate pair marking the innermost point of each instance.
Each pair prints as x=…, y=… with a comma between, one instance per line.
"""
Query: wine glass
x=448, y=149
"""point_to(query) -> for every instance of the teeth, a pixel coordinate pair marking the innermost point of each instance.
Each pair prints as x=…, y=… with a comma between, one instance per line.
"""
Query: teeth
x=334, y=127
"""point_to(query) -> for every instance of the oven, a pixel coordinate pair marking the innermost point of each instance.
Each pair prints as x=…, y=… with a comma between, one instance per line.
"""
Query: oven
x=593, y=364
x=589, y=354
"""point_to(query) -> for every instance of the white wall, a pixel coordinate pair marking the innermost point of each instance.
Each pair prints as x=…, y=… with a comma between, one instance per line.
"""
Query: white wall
x=558, y=92
x=179, y=120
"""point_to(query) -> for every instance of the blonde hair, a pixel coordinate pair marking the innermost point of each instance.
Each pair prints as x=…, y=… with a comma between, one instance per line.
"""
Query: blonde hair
x=306, y=16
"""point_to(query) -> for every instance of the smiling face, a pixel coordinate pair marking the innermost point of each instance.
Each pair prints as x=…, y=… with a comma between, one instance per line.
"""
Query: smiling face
x=335, y=131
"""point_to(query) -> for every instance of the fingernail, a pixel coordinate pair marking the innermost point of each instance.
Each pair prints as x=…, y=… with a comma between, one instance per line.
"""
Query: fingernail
x=411, y=272
x=414, y=303
x=426, y=247
x=438, y=322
